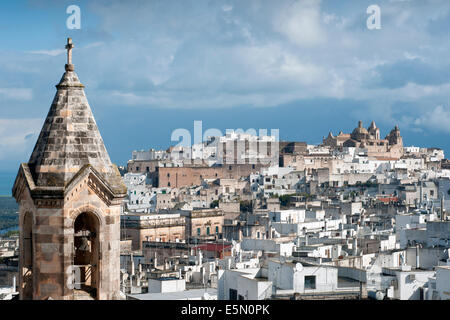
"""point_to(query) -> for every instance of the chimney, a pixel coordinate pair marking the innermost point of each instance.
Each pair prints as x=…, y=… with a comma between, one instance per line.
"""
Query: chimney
x=199, y=257
x=417, y=257
x=421, y=194
x=132, y=264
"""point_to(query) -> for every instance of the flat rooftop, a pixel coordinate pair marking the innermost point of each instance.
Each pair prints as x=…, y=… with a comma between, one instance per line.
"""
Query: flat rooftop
x=192, y=294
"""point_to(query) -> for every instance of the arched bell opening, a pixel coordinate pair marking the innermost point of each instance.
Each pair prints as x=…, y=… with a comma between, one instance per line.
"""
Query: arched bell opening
x=86, y=256
x=27, y=259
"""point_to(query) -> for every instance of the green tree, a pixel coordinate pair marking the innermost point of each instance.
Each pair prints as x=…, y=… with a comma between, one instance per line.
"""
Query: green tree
x=11, y=233
x=214, y=203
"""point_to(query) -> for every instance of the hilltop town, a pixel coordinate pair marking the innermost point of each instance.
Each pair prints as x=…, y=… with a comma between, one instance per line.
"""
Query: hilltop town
x=236, y=217
x=357, y=216
x=352, y=218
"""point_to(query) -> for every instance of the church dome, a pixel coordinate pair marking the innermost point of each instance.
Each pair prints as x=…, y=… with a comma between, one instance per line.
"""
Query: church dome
x=360, y=129
x=359, y=132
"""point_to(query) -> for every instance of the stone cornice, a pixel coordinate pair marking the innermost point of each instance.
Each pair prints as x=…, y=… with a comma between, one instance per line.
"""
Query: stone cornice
x=97, y=183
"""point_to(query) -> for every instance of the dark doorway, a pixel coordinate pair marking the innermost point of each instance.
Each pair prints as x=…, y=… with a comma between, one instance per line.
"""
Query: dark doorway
x=233, y=294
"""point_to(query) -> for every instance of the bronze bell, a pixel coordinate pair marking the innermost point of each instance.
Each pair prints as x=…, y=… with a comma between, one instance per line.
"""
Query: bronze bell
x=84, y=244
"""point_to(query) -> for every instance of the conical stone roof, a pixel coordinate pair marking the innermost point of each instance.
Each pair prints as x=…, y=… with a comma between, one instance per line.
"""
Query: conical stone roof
x=69, y=139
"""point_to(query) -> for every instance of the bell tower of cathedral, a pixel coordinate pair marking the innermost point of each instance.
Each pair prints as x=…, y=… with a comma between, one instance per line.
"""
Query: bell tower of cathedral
x=69, y=196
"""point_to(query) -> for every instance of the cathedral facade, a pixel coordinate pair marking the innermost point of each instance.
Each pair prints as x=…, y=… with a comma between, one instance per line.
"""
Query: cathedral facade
x=391, y=147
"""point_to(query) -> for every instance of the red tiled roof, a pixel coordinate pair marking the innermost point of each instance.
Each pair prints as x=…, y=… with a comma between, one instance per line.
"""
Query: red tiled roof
x=388, y=199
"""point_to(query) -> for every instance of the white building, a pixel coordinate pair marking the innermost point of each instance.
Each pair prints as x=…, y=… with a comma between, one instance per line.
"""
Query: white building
x=8, y=293
x=243, y=284
x=288, y=277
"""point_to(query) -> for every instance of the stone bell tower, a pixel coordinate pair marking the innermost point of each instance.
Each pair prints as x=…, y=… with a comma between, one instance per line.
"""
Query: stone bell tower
x=69, y=196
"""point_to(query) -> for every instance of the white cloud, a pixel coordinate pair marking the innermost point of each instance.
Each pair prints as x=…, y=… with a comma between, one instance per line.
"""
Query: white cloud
x=301, y=23
x=412, y=56
x=227, y=7
x=24, y=94
x=18, y=136
x=57, y=52
x=93, y=45
x=53, y=53
x=253, y=53
x=411, y=92
x=437, y=119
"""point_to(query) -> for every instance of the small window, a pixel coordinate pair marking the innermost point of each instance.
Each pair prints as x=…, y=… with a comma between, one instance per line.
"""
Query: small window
x=217, y=230
x=198, y=231
x=310, y=282
x=207, y=231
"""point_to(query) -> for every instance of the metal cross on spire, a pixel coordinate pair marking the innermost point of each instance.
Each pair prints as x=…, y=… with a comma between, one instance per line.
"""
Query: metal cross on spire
x=69, y=46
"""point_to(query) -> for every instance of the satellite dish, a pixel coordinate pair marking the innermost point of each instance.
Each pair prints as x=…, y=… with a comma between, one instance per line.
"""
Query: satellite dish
x=283, y=259
x=298, y=267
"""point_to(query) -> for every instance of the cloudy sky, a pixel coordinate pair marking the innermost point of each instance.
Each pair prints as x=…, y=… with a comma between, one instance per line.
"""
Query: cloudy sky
x=303, y=67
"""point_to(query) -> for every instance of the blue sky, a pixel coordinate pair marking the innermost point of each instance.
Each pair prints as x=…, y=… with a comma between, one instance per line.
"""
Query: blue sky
x=303, y=67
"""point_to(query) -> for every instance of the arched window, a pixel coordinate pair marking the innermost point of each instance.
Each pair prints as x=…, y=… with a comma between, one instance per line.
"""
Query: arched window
x=86, y=255
x=27, y=251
